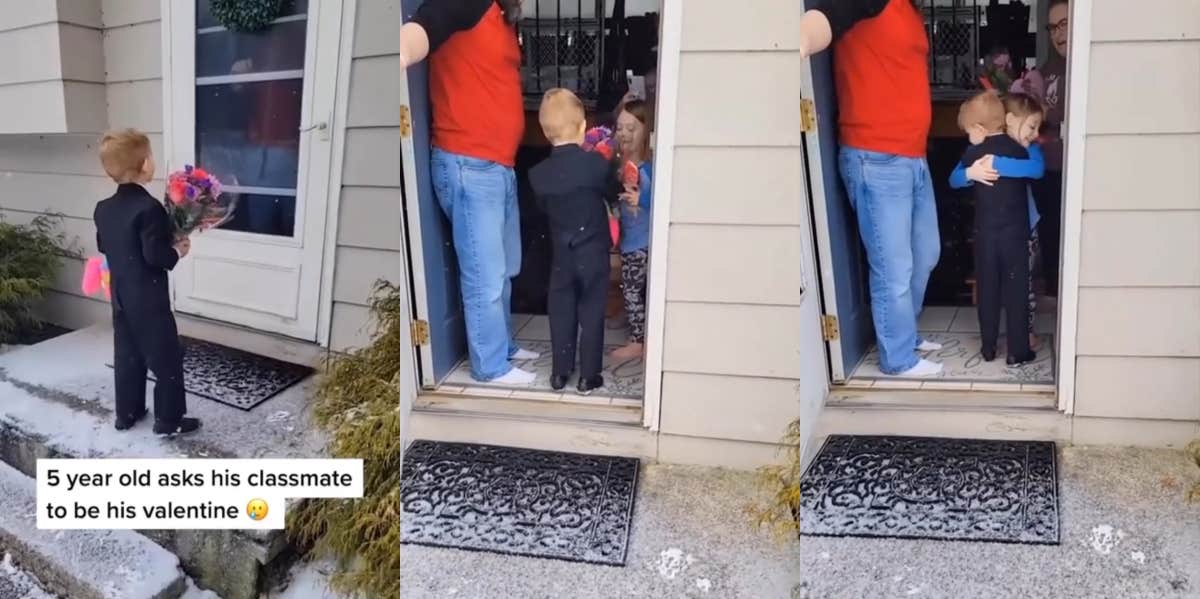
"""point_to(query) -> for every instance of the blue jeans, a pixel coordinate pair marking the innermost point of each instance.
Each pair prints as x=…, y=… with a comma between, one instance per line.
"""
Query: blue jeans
x=897, y=219
x=480, y=199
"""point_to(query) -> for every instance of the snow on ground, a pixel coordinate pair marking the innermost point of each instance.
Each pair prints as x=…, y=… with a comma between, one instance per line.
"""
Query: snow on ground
x=16, y=583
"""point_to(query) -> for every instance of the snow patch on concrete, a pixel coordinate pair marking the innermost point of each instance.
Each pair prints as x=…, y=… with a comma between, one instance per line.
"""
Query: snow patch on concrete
x=117, y=564
x=1104, y=538
x=672, y=562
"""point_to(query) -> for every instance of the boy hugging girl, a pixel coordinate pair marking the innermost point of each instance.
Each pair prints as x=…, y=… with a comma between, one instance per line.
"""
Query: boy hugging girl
x=575, y=188
x=1003, y=159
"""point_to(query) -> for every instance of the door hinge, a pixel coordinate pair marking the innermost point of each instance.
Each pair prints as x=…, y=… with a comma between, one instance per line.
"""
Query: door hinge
x=405, y=121
x=829, y=327
x=808, y=115
x=420, y=332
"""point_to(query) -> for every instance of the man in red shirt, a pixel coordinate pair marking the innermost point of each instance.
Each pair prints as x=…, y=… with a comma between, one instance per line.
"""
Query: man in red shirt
x=880, y=67
x=478, y=122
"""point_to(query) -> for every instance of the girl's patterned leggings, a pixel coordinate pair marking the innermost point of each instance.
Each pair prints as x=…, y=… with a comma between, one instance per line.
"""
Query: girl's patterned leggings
x=633, y=288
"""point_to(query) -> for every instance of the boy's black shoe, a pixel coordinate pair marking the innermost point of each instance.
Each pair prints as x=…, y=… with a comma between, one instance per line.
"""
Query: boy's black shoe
x=589, y=384
x=558, y=381
x=128, y=422
x=1022, y=360
x=988, y=354
x=183, y=427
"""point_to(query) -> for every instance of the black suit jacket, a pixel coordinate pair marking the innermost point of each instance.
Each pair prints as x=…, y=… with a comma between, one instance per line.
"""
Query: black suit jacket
x=135, y=234
x=573, y=187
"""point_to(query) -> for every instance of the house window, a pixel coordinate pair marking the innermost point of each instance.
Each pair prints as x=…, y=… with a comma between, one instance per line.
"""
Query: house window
x=249, y=99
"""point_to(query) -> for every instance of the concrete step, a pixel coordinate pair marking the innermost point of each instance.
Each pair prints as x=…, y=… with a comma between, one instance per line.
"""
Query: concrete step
x=83, y=564
x=56, y=401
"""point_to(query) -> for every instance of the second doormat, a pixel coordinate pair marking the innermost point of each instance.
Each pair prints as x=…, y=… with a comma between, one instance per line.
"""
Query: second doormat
x=514, y=501
x=932, y=488
x=234, y=377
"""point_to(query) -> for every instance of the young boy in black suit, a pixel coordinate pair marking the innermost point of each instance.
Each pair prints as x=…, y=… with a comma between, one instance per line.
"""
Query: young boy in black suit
x=1001, y=233
x=572, y=187
x=135, y=234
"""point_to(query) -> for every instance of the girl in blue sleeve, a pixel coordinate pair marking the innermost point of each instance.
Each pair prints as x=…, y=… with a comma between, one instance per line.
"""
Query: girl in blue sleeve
x=1023, y=119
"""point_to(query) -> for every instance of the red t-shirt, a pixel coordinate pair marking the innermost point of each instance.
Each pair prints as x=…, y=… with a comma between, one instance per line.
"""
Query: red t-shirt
x=475, y=90
x=881, y=67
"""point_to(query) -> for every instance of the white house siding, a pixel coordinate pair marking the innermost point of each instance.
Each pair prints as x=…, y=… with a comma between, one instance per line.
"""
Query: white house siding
x=1138, y=363
x=742, y=351
x=368, y=238
x=61, y=173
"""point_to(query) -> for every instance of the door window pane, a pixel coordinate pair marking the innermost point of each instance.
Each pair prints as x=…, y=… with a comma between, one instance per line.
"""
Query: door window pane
x=279, y=48
x=249, y=97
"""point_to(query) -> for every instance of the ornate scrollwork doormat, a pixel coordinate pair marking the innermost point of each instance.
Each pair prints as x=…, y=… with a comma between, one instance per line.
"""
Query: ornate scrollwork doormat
x=566, y=506
x=234, y=377
x=932, y=488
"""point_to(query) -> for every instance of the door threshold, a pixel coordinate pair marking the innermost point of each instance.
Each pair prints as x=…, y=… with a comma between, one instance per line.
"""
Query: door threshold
x=940, y=400
x=898, y=384
x=258, y=342
x=504, y=404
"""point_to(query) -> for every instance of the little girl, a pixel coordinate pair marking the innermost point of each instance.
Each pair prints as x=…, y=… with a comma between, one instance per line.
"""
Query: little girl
x=1023, y=119
x=633, y=139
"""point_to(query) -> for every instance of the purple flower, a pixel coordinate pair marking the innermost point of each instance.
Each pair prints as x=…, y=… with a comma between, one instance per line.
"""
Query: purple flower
x=190, y=192
x=187, y=168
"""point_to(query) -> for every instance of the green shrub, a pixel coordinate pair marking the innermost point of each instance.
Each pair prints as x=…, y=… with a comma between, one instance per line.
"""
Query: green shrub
x=358, y=401
x=778, y=510
x=30, y=256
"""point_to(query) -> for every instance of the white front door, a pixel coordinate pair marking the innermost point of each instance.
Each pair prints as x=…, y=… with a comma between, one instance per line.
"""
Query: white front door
x=254, y=109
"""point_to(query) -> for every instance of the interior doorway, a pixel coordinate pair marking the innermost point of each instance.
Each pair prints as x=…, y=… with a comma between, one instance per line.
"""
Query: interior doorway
x=599, y=49
x=963, y=36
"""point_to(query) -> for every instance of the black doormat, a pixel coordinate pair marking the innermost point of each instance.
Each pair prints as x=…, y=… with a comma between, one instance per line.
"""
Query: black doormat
x=928, y=488
x=234, y=377
x=513, y=501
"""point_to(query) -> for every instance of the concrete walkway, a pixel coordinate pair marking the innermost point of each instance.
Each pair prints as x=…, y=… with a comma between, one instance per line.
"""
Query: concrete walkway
x=691, y=538
x=1126, y=533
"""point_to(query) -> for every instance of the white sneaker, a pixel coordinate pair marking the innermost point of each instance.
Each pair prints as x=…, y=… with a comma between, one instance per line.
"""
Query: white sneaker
x=516, y=376
x=524, y=354
x=923, y=368
x=927, y=345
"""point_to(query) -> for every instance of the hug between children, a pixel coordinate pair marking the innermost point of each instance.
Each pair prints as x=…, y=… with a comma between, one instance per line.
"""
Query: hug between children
x=577, y=189
x=999, y=165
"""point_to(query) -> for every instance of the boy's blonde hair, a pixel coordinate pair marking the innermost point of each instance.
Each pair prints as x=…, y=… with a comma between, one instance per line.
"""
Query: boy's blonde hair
x=560, y=114
x=1023, y=105
x=984, y=109
x=123, y=154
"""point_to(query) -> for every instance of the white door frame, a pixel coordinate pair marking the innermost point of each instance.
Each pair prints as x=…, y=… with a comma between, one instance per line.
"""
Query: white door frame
x=415, y=263
x=1075, y=151
x=666, y=118
x=1078, y=72
x=341, y=109
x=820, y=215
x=316, y=163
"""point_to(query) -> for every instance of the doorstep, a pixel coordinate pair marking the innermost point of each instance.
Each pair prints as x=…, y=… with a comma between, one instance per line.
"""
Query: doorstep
x=82, y=564
x=56, y=401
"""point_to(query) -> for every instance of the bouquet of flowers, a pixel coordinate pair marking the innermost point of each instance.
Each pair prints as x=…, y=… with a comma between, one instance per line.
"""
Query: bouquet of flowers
x=96, y=277
x=997, y=71
x=599, y=140
x=194, y=201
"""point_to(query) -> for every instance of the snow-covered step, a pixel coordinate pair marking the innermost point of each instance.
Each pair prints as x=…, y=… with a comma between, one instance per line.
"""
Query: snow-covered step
x=83, y=564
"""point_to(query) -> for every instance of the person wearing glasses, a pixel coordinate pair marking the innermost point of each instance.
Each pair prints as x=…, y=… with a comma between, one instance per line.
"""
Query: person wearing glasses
x=1047, y=191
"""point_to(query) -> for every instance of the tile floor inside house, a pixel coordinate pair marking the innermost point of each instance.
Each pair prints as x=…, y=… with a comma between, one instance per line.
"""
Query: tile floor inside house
x=957, y=329
x=623, y=379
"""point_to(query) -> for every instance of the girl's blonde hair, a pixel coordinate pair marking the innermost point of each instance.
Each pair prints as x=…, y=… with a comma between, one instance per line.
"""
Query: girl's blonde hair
x=640, y=109
x=1022, y=105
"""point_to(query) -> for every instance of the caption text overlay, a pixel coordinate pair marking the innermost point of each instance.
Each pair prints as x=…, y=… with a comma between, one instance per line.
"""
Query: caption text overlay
x=163, y=494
